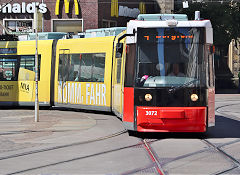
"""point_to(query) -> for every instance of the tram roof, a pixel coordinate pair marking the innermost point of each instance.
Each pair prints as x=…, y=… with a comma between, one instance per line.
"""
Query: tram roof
x=168, y=23
x=162, y=17
x=102, y=32
x=133, y=25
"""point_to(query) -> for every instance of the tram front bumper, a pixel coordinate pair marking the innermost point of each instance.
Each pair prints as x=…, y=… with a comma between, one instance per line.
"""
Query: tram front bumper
x=171, y=119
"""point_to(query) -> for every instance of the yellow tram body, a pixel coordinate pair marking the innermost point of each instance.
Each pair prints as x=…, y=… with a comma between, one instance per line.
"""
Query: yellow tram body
x=78, y=73
x=83, y=73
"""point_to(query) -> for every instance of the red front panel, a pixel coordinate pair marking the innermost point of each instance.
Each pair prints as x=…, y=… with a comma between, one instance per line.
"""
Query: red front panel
x=171, y=119
x=128, y=110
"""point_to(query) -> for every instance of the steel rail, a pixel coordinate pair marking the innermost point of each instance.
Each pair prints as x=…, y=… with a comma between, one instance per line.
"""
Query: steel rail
x=63, y=146
x=153, y=157
x=235, y=161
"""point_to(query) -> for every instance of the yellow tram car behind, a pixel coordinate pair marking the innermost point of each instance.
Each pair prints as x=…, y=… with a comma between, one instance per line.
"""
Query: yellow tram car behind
x=17, y=72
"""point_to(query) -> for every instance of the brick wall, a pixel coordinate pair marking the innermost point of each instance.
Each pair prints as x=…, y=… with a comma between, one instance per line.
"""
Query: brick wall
x=87, y=11
x=105, y=10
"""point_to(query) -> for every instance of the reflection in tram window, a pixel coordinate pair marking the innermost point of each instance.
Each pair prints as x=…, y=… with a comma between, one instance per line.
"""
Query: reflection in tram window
x=82, y=67
x=163, y=54
x=18, y=67
x=8, y=68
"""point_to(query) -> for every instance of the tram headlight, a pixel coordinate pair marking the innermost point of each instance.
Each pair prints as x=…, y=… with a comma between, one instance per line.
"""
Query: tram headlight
x=148, y=97
x=194, y=97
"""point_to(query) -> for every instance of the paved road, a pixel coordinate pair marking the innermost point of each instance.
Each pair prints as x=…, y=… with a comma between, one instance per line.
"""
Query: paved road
x=75, y=142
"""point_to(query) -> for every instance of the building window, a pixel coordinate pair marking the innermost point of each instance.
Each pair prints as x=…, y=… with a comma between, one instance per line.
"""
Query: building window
x=67, y=25
x=108, y=23
x=18, y=26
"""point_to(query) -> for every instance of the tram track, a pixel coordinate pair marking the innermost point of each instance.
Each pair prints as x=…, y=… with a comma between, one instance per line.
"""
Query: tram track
x=153, y=157
x=155, y=165
x=226, y=105
x=74, y=159
x=218, y=148
x=222, y=152
x=158, y=166
x=142, y=144
x=64, y=146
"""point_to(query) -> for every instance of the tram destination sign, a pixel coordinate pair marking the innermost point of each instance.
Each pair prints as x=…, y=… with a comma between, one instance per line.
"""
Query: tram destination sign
x=172, y=37
x=8, y=50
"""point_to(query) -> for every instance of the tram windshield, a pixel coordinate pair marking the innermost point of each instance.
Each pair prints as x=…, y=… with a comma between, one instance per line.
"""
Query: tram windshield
x=170, y=57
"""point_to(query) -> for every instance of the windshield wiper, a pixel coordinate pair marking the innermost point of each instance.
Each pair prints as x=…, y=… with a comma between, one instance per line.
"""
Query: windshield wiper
x=173, y=89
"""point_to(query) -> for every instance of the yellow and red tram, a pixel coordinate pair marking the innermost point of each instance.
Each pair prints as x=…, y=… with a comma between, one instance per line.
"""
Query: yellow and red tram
x=157, y=76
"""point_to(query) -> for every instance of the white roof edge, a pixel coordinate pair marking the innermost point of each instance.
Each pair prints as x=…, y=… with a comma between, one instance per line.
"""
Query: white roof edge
x=135, y=24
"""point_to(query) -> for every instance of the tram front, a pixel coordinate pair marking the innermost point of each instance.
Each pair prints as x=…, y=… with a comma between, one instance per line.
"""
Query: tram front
x=169, y=80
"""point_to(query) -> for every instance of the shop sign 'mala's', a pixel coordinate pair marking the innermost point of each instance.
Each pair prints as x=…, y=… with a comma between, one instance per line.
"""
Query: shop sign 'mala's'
x=23, y=8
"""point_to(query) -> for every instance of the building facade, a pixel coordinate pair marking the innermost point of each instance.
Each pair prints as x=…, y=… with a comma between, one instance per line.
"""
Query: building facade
x=71, y=15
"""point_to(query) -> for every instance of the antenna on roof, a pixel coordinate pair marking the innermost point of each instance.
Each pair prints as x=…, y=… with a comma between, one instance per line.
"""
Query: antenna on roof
x=197, y=15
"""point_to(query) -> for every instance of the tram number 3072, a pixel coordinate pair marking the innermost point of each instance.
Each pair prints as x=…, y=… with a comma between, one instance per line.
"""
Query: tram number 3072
x=151, y=113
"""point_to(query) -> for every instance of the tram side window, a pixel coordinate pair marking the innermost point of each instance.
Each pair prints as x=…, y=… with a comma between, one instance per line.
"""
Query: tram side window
x=60, y=68
x=119, y=61
x=74, y=72
x=8, y=68
x=92, y=67
x=98, y=67
x=130, y=64
x=27, y=67
x=86, y=68
x=63, y=69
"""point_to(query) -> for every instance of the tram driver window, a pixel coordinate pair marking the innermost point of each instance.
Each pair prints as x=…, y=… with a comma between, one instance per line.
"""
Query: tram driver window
x=176, y=70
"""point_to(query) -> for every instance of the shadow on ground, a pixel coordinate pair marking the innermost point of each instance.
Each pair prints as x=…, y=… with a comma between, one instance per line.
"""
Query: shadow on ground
x=227, y=91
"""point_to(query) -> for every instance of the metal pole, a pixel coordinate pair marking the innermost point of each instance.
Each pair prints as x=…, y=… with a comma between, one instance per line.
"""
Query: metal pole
x=36, y=69
x=42, y=20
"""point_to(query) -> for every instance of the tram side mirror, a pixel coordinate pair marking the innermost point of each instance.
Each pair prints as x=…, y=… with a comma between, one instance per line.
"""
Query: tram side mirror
x=119, y=50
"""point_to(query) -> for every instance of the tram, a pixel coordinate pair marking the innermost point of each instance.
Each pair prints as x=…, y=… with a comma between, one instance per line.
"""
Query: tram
x=156, y=74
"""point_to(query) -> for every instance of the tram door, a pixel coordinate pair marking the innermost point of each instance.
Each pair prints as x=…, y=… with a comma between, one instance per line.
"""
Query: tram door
x=63, y=74
x=117, y=87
